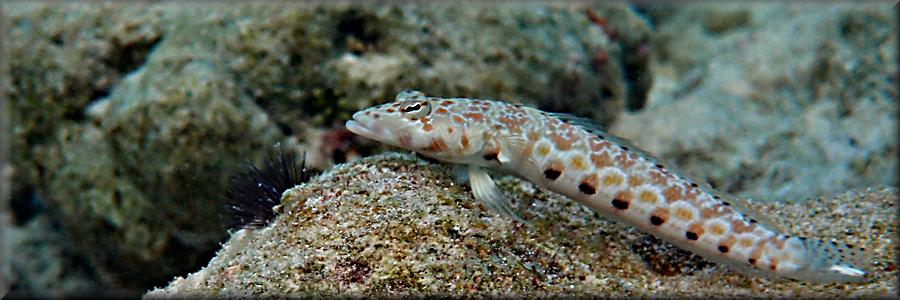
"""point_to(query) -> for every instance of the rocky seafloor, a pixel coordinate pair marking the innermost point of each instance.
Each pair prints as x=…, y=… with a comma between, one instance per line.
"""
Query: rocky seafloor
x=126, y=119
x=397, y=225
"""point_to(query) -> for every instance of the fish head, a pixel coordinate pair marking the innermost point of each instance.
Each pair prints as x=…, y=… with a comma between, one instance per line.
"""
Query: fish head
x=418, y=123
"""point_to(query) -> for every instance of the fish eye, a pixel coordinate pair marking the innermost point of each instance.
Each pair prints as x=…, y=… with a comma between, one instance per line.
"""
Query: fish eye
x=416, y=110
x=412, y=108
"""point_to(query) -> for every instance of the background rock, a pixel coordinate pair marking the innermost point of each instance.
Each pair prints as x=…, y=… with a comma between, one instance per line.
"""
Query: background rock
x=137, y=187
x=313, y=67
x=126, y=119
x=784, y=102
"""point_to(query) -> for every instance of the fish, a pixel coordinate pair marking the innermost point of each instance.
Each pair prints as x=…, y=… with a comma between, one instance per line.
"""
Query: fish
x=579, y=159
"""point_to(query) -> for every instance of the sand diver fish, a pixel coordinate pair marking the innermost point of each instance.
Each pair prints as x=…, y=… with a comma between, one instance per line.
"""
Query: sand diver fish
x=572, y=156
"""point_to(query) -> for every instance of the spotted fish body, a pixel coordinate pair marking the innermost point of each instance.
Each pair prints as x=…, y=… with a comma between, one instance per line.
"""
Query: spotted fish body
x=572, y=157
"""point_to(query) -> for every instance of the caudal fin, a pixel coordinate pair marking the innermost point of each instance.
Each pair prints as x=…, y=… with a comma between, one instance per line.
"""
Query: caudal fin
x=832, y=262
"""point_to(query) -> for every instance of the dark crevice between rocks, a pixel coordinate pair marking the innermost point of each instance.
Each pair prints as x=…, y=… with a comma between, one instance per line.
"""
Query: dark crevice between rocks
x=637, y=74
x=285, y=129
x=74, y=114
x=25, y=205
x=358, y=31
x=124, y=59
x=127, y=57
x=326, y=105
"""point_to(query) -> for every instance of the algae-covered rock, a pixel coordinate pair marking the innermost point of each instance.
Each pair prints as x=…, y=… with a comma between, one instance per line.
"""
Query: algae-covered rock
x=127, y=118
x=59, y=60
x=136, y=186
x=127, y=188
x=800, y=100
x=316, y=65
x=393, y=224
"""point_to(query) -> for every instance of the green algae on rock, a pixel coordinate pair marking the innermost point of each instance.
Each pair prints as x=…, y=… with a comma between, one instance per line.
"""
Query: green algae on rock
x=396, y=225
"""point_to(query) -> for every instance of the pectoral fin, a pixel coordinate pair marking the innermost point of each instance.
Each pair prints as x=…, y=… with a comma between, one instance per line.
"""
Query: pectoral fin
x=486, y=191
x=511, y=148
x=460, y=173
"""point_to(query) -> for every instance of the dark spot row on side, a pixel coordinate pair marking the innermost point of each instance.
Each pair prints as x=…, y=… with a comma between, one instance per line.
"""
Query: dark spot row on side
x=586, y=188
x=552, y=174
x=620, y=204
x=657, y=220
x=691, y=235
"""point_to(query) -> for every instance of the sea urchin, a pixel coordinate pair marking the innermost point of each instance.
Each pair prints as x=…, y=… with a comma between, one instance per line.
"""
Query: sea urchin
x=252, y=195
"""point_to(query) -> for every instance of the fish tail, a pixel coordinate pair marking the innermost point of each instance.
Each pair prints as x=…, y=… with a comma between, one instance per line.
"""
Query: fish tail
x=831, y=262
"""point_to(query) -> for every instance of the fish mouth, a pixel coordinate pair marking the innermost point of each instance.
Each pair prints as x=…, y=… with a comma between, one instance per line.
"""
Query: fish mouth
x=362, y=126
x=359, y=129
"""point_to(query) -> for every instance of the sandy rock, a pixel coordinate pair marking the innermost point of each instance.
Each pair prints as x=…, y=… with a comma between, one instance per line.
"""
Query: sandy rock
x=395, y=225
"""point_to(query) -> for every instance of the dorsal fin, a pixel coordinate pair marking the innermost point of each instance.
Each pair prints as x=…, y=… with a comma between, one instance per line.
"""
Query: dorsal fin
x=744, y=208
x=601, y=131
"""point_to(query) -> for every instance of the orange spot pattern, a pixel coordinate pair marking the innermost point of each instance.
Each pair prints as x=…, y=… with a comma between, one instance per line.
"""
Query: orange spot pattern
x=475, y=117
x=648, y=197
x=464, y=141
x=601, y=160
x=613, y=179
x=437, y=145
x=578, y=163
x=684, y=213
x=716, y=229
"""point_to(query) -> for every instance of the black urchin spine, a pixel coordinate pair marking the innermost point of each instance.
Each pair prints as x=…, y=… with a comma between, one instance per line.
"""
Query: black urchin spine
x=252, y=195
